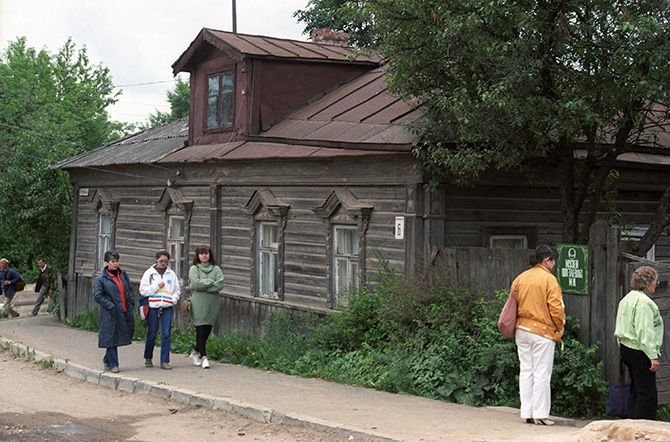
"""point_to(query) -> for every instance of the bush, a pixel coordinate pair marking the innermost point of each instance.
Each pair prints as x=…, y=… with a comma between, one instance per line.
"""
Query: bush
x=412, y=335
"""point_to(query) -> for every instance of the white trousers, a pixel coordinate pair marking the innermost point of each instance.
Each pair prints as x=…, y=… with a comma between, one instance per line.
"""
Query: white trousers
x=536, y=360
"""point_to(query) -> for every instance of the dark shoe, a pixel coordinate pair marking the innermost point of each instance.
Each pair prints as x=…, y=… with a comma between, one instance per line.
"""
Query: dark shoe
x=34, y=313
x=529, y=420
x=114, y=369
x=544, y=422
x=165, y=366
x=148, y=363
x=106, y=366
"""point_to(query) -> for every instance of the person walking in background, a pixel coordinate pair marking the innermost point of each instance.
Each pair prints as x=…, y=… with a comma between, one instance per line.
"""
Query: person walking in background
x=639, y=332
x=540, y=322
x=9, y=277
x=43, y=284
x=114, y=293
x=161, y=285
x=206, y=281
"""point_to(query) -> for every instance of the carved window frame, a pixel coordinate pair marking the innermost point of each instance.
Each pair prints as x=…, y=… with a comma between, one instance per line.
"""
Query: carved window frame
x=173, y=203
x=264, y=207
x=104, y=205
x=342, y=208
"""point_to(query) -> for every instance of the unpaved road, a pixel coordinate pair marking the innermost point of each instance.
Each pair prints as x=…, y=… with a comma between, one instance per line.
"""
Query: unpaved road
x=41, y=404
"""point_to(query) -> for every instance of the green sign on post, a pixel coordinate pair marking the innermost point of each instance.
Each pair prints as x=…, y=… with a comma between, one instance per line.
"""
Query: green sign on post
x=572, y=268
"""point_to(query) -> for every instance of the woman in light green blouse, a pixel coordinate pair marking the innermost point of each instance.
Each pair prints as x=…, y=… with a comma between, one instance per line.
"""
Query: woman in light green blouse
x=639, y=332
x=206, y=281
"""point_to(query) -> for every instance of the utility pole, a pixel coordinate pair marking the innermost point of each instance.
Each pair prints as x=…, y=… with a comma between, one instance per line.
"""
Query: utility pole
x=234, y=17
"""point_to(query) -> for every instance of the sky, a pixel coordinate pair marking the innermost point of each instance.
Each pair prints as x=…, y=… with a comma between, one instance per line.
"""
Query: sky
x=139, y=40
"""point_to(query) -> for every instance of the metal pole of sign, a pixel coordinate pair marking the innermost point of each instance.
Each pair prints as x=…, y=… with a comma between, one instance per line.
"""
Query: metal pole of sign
x=234, y=17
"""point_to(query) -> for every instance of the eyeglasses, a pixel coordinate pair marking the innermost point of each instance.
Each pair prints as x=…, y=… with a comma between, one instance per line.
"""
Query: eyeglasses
x=162, y=260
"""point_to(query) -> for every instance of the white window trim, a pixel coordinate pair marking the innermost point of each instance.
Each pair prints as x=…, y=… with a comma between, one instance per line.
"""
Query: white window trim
x=635, y=233
x=351, y=258
x=273, y=250
x=177, y=253
x=492, y=239
x=104, y=239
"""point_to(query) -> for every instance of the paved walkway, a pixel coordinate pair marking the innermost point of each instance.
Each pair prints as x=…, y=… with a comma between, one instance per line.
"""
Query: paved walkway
x=267, y=396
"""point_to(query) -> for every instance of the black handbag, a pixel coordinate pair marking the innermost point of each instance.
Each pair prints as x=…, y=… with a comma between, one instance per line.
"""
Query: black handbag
x=617, y=401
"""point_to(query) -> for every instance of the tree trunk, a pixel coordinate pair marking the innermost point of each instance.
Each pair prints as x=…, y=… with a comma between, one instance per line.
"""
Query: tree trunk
x=661, y=220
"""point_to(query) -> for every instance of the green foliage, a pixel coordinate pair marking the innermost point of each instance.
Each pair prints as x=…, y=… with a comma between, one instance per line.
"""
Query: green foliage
x=411, y=335
x=179, y=99
x=52, y=106
x=348, y=16
x=504, y=83
x=89, y=320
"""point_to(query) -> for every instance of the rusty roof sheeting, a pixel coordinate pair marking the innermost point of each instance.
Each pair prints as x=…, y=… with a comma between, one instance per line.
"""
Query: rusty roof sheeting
x=271, y=47
x=360, y=112
x=140, y=148
x=259, y=150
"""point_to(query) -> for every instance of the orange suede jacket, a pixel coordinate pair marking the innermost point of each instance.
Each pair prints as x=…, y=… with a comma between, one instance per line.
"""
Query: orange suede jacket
x=540, y=303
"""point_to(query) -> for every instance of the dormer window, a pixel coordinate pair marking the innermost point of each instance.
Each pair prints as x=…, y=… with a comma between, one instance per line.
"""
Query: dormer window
x=219, y=100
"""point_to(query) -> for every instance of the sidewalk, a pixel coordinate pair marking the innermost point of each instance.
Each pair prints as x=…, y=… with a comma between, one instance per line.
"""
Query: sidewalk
x=271, y=397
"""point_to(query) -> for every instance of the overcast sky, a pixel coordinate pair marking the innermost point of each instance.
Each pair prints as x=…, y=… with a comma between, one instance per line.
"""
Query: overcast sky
x=139, y=40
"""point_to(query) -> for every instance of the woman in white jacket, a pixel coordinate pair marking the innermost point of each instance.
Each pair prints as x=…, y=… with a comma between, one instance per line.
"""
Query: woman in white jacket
x=161, y=285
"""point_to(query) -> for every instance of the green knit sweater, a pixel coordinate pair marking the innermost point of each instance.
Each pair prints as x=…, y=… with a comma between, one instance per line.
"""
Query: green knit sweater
x=206, y=281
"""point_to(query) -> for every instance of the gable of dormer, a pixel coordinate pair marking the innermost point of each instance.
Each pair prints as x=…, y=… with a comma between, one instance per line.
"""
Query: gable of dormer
x=244, y=84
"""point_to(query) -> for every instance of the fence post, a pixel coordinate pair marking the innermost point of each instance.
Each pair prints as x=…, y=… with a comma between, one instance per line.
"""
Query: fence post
x=62, y=294
x=597, y=321
x=613, y=291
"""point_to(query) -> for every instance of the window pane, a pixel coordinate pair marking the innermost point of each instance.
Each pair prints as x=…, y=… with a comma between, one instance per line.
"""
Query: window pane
x=212, y=118
x=105, y=224
x=213, y=85
x=269, y=235
x=275, y=273
x=226, y=82
x=176, y=227
x=346, y=241
x=227, y=109
x=353, y=282
x=342, y=275
x=265, y=273
x=508, y=241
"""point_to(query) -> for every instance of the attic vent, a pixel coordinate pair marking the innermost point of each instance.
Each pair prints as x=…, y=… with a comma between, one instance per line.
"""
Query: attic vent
x=329, y=37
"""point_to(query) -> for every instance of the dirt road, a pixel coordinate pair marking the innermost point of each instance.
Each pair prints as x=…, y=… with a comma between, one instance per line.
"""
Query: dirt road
x=41, y=404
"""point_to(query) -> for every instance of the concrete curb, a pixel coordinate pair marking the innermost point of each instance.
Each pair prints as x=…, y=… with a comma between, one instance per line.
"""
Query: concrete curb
x=133, y=385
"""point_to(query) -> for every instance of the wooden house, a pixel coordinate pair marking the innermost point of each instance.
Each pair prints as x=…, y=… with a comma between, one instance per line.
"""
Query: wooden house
x=296, y=167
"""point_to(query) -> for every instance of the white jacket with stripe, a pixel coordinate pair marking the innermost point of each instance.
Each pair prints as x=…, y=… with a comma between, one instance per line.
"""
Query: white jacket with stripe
x=166, y=296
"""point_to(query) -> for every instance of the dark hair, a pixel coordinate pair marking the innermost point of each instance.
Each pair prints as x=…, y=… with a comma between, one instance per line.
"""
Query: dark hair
x=40, y=259
x=162, y=253
x=111, y=254
x=643, y=277
x=203, y=249
x=542, y=252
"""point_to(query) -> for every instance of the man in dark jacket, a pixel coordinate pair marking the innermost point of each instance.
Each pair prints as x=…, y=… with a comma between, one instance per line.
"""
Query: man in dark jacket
x=43, y=284
x=8, y=277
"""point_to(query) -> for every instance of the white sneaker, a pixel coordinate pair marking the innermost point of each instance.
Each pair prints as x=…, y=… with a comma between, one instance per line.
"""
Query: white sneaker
x=195, y=358
x=205, y=362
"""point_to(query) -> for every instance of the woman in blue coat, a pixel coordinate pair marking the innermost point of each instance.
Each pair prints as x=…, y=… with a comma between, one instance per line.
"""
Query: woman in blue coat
x=115, y=295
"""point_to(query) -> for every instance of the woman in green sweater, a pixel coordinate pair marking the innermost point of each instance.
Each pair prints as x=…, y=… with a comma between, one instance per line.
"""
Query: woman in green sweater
x=639, y=332
x=206, y=281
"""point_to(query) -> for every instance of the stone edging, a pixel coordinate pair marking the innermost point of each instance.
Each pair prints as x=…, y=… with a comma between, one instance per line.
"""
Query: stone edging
x=184, y=396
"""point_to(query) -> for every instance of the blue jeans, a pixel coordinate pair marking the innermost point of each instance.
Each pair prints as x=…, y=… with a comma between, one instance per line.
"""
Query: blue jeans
x=164, y=315
x=111, y=357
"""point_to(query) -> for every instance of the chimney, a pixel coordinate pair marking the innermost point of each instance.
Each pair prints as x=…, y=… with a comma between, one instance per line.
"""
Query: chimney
x=327, y=36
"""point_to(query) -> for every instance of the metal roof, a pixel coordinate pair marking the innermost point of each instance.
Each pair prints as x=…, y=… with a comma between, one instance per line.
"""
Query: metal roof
x=358, y=114
x=258, y=46
x=143, y=147
x=257, y=150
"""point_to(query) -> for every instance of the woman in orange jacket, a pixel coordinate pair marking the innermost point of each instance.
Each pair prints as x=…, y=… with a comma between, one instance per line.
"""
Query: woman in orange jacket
x=540, y=323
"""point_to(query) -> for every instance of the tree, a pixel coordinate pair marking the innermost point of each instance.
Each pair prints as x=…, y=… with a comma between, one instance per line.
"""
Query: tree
x=502, y=82
x=179, y=99
x=52, y=106
x=340, y=15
